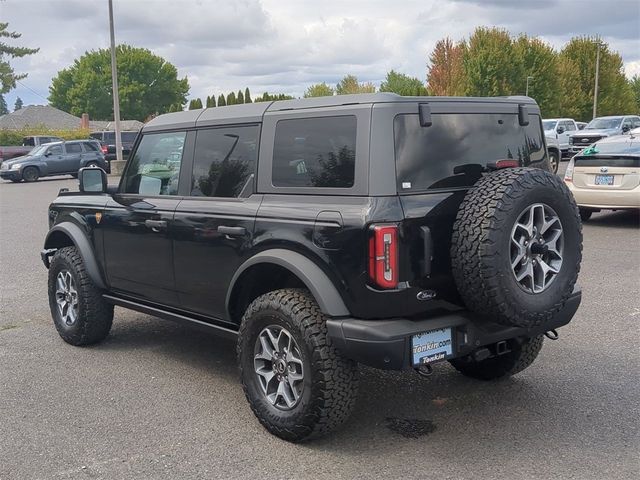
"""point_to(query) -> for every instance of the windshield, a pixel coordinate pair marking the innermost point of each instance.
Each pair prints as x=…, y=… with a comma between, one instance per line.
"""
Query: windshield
x=549, y=124
x=38, y=150
x=603, y=123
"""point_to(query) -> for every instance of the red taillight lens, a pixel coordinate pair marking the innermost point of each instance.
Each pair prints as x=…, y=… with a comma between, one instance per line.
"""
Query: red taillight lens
x=383, y=256
x=104, y=149
x=507, y=164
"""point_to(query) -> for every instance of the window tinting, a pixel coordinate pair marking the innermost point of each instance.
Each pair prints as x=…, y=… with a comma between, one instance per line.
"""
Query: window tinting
x=315, y=152
x=128, y=137
x=224, y=160
x=73, y=148
x=109, y=137
x=155, y=167
x=91, y=146
x=55, y=150
x=455, y=149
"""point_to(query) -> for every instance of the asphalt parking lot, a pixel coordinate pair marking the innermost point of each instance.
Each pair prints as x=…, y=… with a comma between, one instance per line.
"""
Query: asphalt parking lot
x=157, y=400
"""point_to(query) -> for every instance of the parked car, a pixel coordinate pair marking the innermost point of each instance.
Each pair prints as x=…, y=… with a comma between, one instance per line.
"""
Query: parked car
x=560, y=128
x=57, y=158
x=581, y=125
x=600, y=128
x=606, y=176
x=108, y=143
x=9, y=152
x=326, y=232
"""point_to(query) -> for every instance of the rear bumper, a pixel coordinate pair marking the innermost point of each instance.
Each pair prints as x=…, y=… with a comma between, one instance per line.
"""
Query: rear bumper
x=605, y=197
x=386, y=344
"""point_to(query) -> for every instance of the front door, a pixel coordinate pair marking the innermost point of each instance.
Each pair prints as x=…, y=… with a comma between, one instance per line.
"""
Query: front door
x=138, y=222
x=55, y=159
x=214, y=222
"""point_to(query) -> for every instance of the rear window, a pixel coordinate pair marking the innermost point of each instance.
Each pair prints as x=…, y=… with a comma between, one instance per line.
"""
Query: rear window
x=128, y=137
x=315, y=152
x=96, y=135
x=109, y=137
x=612, y=154
x=455, y=149
x=91, y=146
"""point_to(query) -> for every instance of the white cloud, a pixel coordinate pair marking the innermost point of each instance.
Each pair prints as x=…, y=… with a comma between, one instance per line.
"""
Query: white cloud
x=285, y=45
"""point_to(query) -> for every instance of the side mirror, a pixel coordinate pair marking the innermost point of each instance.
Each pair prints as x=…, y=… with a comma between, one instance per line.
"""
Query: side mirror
x=560, y=130
x=626, y=128
x=48, y=154
x=92, y=180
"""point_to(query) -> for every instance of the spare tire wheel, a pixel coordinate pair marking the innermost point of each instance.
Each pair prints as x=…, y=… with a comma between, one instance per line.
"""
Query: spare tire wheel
x=517, y=246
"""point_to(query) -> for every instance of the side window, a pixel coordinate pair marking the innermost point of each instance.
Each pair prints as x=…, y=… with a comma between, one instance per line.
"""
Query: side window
x=569, y=126
x=627, y=123
x=224, y=160
x=55, y=150
x=155, y=167
x=73, y=148
x=315, y=152
x=90, y=147
x=128, y=137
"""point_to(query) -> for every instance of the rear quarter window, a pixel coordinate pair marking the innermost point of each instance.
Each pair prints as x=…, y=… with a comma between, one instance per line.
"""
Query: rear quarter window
x=315, y=152
x=455, y=149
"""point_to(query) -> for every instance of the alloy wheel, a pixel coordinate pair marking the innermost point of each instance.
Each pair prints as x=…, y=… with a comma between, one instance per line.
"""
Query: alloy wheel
x=67, y=297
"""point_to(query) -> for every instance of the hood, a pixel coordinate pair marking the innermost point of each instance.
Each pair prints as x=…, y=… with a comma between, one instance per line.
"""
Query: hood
x=601, y=131
x=13, y=160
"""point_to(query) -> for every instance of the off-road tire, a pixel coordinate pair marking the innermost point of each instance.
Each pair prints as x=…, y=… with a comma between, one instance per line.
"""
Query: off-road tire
x=30, y=174
x=520, y=357
x=95, y=316
x=480, y=246
x=330, y=381
x=585, y=214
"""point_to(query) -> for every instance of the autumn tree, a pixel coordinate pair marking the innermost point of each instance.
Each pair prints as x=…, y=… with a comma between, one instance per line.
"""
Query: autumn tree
x=615, y=95
x=349, y=84
x=148, y=85
x=319, y=90
x=402, y=84
x=8, y=77
x=445, y=74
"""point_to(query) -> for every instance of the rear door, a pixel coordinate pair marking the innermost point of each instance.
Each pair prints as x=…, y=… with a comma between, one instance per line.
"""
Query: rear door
x=214, y=222
x=72, y=156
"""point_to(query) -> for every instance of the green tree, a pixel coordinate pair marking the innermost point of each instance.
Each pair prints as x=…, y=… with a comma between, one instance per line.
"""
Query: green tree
x=240, y=97
x=349, y=84
x=319, y=90
x=8, y=77
x=267, y=97
x=3, y=106
x=539, y=61
x=211, y=101
x=247, y=95
x=634, y=83
x=221, y=101
x=195, y=104
x=402, y=84
x=615, y=95
x=231, y=99
x=445, y=74
x=491, y=64
x=148, y=85
x=18, y=105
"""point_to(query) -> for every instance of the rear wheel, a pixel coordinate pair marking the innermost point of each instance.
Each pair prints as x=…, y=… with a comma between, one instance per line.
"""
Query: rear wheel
x=92, y=164
x=520, y=356
x=297, y=384
x=585, y=214
x=30, y=174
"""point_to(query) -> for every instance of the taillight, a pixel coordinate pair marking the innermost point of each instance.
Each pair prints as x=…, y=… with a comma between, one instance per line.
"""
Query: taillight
x=568, y=174
x=104, y=149
x=383, y=256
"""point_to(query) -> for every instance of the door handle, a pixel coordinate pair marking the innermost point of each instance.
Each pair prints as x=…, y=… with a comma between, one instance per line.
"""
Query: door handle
x=156, y=225
x=232, y=231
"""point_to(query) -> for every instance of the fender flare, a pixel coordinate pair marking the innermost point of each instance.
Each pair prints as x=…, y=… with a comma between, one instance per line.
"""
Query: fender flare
x=321, y=287
x=82, y=243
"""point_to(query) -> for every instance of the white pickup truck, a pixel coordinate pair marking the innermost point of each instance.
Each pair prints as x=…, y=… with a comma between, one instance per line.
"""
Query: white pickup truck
x=561, y=129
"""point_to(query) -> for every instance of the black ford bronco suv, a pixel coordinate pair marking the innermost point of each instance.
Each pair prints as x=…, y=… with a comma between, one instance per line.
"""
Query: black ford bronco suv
x=321, y=233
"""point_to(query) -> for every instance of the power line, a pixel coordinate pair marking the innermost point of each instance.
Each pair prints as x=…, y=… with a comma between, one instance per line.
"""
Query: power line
x=32, y=90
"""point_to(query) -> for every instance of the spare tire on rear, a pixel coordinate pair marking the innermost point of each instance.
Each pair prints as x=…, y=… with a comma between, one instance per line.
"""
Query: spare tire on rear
x=516, y=247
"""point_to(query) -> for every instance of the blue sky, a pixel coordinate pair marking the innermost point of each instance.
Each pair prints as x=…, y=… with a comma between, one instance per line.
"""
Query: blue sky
x=286, y=45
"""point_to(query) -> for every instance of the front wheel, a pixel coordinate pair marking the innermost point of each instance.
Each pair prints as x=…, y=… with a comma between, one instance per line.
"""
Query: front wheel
x=79, y=312
x=30, y=174
x=554, y=161
x=585, y=214
x=297, y=384
x=520, y=356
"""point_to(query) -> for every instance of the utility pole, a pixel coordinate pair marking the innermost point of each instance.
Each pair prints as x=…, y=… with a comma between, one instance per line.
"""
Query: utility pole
x=595, y=89
x=527, y=89
x=116, y=97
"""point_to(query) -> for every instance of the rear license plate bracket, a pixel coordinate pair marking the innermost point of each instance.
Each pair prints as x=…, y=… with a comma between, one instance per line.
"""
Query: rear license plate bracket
x=432, y=346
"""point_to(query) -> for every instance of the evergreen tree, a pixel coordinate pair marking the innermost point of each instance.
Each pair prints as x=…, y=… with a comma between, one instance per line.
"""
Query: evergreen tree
x=231, y=99
x=240, y=97
x=195, y=104
x=221, y=101
x=3, y=105
x=247, y=95
x=18, y=105
x=211, y=101
x=8, y=77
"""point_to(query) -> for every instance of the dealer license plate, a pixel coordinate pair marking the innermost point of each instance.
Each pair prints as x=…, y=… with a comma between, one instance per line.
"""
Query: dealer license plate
x=604, y=179
x=431, y=346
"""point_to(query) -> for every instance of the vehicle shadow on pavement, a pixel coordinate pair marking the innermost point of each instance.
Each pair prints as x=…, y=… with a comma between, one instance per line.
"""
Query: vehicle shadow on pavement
x=621, y=219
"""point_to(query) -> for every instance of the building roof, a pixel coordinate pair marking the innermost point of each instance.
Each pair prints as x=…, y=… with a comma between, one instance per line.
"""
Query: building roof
x=55, y=119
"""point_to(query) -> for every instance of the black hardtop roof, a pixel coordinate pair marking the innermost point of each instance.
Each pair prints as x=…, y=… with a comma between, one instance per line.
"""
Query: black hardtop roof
x=253, y=112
